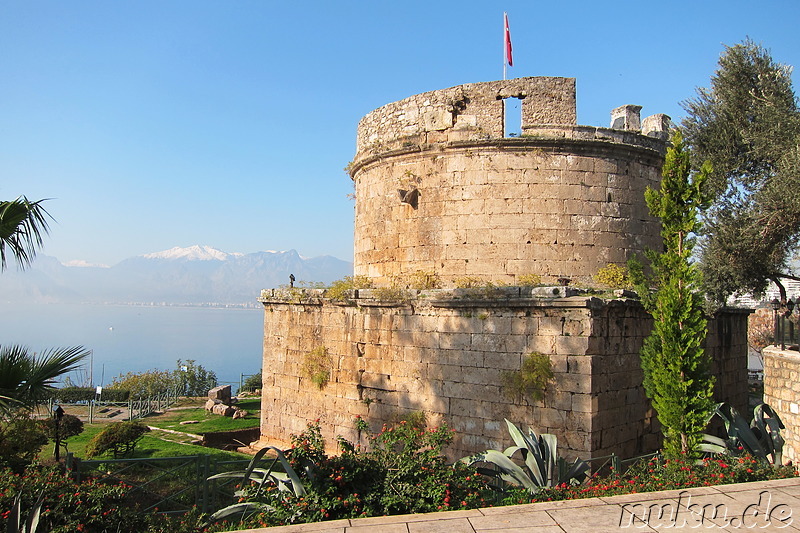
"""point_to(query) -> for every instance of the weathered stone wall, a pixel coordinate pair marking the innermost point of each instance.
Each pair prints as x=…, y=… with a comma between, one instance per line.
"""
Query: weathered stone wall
x=781, y=392
x=443, y=353
x=472, y=111
x=439, y=189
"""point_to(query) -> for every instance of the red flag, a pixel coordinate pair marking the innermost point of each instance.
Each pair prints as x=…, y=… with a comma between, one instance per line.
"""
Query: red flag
x=509, y=57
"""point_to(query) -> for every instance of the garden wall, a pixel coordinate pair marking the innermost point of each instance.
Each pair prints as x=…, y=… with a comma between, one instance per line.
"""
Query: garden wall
x=782, y=393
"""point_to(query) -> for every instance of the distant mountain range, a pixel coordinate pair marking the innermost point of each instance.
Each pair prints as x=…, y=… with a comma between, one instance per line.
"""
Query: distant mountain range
x=196, y=275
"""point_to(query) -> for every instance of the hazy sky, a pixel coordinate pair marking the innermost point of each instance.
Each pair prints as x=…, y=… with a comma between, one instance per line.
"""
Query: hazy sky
x=155, y=124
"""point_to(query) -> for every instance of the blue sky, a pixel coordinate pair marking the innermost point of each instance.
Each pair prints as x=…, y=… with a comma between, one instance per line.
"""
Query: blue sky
x=156, y=124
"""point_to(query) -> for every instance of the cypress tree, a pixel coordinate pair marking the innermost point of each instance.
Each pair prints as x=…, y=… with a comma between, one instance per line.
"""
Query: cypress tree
x=676, y=367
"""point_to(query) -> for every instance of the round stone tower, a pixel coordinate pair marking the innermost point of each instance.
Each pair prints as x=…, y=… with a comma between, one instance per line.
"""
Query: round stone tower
x=441, y=189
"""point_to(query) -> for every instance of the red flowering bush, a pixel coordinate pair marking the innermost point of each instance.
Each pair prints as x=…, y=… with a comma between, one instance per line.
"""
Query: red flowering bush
x=658, y=473
x=68, y=506
x=402, y=470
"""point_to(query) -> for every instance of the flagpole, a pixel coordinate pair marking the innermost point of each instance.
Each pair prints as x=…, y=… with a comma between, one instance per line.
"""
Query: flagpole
x=505, y=59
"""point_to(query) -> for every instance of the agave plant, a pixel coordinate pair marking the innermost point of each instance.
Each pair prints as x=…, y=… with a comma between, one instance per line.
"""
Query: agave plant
x=761, y=438
x=13, y=524
x=286, y=480
x=542, y=466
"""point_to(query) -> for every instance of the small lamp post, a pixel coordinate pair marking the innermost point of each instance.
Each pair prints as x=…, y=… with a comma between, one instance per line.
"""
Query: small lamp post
x=776, y=304
x=58, y=414
x=788, y=315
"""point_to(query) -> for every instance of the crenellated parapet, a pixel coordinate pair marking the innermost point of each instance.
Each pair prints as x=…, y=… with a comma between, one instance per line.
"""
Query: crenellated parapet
x=441, y=189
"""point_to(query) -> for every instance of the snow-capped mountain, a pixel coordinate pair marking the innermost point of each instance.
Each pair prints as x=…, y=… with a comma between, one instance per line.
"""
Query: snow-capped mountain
x=193, y=253
x=191, y=275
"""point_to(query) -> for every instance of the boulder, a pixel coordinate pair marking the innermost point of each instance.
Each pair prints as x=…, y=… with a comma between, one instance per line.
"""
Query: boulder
x=221, y=393
x=239, y=413
x=211, y=403
x=222, y=409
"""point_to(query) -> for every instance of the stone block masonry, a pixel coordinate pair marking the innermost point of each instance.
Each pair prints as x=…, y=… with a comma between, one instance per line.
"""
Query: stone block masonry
x=442, y=194
x=439, y=188
x=444, y=355
x=782, y=393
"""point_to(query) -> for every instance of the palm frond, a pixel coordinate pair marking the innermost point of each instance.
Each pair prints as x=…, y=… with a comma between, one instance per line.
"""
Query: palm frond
x=22, y=225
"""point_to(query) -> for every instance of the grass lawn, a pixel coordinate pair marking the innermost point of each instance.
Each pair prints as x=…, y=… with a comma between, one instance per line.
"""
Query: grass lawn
x=206, y=421
x=164, y=444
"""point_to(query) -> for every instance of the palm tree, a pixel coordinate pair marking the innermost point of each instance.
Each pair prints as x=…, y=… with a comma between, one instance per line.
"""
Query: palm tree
x=26, y=378
x=22, y=225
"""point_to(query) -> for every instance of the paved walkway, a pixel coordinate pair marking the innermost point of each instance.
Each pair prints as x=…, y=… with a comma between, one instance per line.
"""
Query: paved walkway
x=759, y=506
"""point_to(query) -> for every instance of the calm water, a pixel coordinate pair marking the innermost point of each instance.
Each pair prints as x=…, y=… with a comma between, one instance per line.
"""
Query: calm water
x=128, y=338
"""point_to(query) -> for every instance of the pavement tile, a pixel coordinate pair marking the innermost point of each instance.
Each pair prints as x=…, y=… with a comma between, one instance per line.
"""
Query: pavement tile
x=531, y=529
x=332, y=526
x=415, y=517
x=758, y=506
x=604, y=519
x=539, y=506
x=512, y=520
x=383, y=528
x=457, y=525
x=788, y=482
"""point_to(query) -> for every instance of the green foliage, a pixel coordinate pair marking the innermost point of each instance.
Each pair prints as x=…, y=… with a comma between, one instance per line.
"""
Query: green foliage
x=414, y=419
x=614, y=276
x=340, y=289
x=22, y=225
x=760, y=439
x=68, y=426
x=530, y=380
x=21, y=440
x=188, y=379
x=192, y=379
x=31, y=524
x=401, y=471
x=421, y=280
x=253, y=382
x=119, y=438
x=317, y=366
x=84, y=394
x=747, y=124
x=26, y=378
x=539, y=454
x=469, y=282
x=144, y=384
x=529, y=280
x=676, y=367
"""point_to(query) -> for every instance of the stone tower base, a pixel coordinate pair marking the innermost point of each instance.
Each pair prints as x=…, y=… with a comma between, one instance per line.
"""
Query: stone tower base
x=443, y=353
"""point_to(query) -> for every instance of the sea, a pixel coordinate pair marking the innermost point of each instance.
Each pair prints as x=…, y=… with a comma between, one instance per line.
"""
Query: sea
x=135, y=338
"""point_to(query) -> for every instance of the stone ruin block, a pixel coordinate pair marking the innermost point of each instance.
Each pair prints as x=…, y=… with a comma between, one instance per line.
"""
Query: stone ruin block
x=221, y=393
x=626, y=117
x=657, y=126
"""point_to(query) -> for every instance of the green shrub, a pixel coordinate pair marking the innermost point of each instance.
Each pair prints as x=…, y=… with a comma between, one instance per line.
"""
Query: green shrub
x=530, y=380
x=144, y=384
x=119, y=438
x=69, y=507
x=21, y=440
x=614, y=276
x=68, y=426
x=421, y=280
x=529, y=280
x=402, y=470
x=470, y=282
x=85, y=394
x=317, y=366
x=340, y=289
x=188, y=379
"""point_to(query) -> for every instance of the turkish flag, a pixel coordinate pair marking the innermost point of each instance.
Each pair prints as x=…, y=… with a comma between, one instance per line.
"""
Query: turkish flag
x=509, y=57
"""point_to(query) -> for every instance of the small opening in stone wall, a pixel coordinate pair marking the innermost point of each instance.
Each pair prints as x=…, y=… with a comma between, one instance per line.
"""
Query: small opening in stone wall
x=512, y=117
